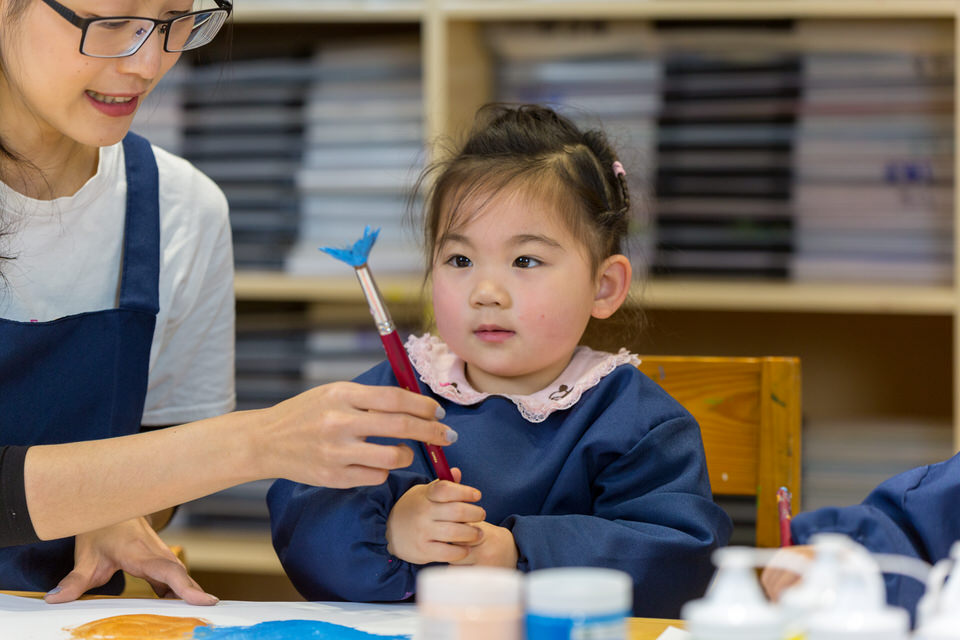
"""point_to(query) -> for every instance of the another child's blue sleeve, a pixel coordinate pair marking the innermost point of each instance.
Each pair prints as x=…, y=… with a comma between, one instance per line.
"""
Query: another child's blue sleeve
x=914, y=513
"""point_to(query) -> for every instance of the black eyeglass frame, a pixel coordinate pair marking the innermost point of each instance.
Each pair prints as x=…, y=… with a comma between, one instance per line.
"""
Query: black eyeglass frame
x=163, y=25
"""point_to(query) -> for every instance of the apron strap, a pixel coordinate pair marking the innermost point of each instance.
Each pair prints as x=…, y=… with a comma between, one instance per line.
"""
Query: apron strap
x=139, y=282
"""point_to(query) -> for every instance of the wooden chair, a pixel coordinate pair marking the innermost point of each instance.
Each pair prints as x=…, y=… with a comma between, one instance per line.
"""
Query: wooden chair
x=749, y=415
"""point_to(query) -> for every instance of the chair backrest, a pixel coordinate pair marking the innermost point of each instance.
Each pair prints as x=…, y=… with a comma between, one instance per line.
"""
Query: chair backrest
x=749, y=415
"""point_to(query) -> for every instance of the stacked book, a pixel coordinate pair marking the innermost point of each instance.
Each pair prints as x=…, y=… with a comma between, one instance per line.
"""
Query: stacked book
x=874, y=155
x=845, y=460
x=723, y=156
x=363, y=153
x=602, y=76
x=243, y=127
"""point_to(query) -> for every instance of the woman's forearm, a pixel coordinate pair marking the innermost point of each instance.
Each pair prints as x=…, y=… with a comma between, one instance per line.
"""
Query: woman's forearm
x=81, y=486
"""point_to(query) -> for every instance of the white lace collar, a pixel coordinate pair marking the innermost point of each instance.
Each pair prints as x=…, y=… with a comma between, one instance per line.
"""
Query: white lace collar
x=444, y=372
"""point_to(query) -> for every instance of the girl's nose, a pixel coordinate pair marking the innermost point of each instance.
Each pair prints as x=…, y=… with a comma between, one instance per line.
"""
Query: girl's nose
x=487, y=292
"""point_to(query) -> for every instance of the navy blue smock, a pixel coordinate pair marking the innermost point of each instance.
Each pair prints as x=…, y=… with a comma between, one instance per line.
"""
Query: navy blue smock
x=914, y=513
x=617, y=480
x=84, y=376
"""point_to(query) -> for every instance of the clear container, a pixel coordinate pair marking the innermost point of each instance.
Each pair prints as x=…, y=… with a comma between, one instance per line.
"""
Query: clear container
x=576, y=603
x=469, y=603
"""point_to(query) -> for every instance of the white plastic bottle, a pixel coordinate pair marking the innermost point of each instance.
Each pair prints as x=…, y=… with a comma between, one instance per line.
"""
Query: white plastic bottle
x=859, y=611
x=938, y=612
x=574, y=603
x=734, y=608
x=469, y=603
x=818, y=588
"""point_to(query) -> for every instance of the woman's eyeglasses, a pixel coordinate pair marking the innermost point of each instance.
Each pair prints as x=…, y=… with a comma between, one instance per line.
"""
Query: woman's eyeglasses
x=121, y=36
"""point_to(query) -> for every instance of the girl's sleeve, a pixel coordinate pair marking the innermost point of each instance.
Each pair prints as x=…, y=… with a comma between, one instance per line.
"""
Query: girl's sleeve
x=653, y=517
x=913, y=513
x=332, y=542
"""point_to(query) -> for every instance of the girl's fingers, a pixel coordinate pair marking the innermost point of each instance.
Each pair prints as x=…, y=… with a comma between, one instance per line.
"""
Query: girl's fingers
x=462, y=512
x=457, y=533
x=443, y=552
x=446, y=491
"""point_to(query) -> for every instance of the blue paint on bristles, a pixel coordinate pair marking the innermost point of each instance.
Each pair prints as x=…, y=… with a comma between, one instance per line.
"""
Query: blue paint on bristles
x=355, y=256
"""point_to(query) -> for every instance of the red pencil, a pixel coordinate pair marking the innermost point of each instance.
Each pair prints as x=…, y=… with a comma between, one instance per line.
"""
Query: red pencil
x=784, y=510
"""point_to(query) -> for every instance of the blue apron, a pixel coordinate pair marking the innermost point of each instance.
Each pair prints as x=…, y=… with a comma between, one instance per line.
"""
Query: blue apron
x=84, y=376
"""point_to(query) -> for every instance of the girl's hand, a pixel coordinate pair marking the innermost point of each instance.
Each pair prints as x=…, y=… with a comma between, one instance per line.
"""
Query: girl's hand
x=776, y=580
x=432, y=522
x=134, y=547
x=319, y=436
x=497, y=548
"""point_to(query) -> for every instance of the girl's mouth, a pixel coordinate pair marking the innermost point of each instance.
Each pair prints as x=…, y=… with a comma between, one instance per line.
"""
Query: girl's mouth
x=493, y=334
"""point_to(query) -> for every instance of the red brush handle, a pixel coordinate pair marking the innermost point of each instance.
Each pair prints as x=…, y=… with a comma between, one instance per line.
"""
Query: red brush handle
x=403, y=370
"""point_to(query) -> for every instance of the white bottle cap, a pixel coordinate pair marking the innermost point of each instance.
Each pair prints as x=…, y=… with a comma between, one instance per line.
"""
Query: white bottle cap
x=471, y=586
x=578, y=591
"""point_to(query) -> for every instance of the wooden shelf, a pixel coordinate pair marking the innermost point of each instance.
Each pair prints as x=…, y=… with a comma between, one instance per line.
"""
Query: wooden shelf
x=717, y=295
x=284, y=11
x=262, y=11
x=279, y=287
x=226, y=550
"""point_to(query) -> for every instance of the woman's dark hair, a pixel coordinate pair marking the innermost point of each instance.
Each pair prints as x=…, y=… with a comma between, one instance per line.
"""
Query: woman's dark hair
x=7, y=157
x=533, y=149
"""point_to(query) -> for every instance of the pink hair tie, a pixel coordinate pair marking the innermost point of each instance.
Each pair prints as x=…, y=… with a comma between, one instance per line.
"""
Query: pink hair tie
x=618, y=169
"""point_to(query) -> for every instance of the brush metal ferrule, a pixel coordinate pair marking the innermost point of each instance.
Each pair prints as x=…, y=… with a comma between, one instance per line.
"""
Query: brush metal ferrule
x=378, y=309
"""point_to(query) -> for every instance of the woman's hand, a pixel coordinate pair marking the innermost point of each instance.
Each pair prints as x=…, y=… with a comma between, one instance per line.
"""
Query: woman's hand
x=134, y=547
x=432, y=522
x=496, y=548
x=319, y=436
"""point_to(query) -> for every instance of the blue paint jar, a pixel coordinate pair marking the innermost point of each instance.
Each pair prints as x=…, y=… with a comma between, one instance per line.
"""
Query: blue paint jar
x=578, y=603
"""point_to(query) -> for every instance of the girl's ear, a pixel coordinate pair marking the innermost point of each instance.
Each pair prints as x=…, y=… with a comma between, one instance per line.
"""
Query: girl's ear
x=613, y=285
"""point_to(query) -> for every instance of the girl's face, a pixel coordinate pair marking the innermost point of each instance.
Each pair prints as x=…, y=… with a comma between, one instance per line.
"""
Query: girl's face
x=512, y=294
x=50, y=91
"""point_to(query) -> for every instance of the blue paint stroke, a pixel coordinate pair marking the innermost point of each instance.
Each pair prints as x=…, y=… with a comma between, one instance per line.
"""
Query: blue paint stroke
x=289, y=630
x=355, y=256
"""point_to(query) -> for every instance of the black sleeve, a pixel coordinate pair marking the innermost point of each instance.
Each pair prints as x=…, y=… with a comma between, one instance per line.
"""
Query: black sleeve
x=15, y=524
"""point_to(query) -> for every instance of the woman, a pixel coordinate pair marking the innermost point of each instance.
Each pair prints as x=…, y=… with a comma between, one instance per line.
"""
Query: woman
x=116, y=312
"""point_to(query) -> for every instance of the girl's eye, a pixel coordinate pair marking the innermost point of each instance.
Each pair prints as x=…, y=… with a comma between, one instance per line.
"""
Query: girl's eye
x=459, y=261
x=526, y=262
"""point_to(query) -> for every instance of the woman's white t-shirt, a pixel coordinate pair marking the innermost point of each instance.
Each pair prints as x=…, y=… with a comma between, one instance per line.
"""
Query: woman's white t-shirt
x=67, y=257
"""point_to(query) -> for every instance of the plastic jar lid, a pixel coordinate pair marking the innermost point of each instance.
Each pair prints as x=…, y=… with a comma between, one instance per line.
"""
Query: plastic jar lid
x=578, y=591
x=474, y=586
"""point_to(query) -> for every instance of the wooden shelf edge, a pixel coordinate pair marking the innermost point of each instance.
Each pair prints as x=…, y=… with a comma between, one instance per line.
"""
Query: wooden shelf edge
x=799, y=297
x=534, y=9
x=721, y=295
x=229, y=551
x=284, y=11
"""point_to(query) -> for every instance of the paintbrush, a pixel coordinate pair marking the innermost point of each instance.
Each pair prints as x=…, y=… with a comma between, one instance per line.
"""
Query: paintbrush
x=356, y=257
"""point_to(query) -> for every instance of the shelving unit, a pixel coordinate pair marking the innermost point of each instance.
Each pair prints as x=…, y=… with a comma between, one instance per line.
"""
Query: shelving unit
x=867, y=350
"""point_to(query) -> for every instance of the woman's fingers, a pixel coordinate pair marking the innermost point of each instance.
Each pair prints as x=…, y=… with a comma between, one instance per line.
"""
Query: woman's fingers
x=169, y=579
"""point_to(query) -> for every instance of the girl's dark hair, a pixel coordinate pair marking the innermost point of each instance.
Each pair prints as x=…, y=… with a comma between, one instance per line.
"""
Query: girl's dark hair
x=543, y=154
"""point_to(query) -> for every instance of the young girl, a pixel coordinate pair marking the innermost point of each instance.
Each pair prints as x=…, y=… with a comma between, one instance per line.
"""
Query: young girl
x=568, y=456
x=116, y=312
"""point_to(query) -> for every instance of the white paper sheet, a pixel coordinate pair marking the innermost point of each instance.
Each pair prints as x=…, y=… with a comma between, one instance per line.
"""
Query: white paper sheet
x=33, y=619
x=674, y=633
